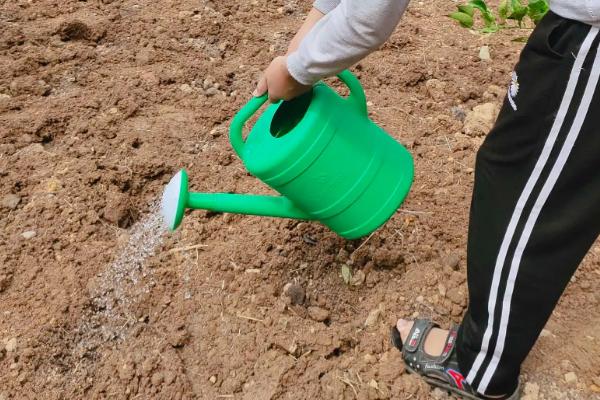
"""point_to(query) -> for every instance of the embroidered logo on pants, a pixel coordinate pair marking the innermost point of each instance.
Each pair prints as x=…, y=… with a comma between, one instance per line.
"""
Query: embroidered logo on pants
x=513, y=90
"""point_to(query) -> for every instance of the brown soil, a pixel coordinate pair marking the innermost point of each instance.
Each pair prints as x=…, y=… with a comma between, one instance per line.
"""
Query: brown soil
x=102, y=101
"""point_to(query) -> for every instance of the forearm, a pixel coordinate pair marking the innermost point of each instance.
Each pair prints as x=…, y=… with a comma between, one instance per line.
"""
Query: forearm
x=344, y=36
x=311, y=19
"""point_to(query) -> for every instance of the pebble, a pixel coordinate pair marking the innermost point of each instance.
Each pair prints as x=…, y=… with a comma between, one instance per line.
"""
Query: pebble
x=185, y=88
x=358, y=278
x=11, y=201
x=211, y=92
x=438, y=394
x=295, y=293
x=370, y=359
x=480, y=120
x=318, y=314
x=28, y=234
x=213, y=379
x=531, y=391
x=157, y=378
x=442, y=290
x=11, y=345
x=451, y=261
x=546, y=333
x=484, y=53
x=373, y=317
x=570, y=377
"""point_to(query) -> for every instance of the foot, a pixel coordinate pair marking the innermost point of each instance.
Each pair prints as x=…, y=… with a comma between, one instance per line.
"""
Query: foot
x=434, y=342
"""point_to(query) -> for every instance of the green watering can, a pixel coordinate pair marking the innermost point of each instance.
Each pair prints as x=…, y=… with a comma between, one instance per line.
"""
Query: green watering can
x=322, y=153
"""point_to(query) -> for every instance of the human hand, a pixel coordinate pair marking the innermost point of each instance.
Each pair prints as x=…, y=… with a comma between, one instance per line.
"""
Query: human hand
x=279, y=83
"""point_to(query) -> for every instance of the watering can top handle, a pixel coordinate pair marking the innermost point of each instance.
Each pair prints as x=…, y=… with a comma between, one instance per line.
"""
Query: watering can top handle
x=357, y=97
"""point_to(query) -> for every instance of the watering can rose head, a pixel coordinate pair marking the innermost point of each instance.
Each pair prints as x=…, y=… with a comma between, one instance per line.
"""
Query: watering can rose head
x=321, y=153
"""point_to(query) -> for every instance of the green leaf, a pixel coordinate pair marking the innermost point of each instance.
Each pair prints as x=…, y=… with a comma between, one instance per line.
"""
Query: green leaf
x=466, y=9
x=346, y=274
x=537, y=9
x=488, y=18
x=504, y=9
x=480, y=5
x=518, y=11
x=490, y=29
x=464, y=19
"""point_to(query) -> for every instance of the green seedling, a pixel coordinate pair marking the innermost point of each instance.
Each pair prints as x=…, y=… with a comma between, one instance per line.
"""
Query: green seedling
x=508, y=10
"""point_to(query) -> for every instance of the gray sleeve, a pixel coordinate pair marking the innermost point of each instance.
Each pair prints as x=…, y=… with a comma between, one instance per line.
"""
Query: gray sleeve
x=343, y=37
x=325, y=6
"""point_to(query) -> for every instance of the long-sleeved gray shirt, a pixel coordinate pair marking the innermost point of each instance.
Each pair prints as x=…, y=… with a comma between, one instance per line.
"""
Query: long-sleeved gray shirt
x=351, y=29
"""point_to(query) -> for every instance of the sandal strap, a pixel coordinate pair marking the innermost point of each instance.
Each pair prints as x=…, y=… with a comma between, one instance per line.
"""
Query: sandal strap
x=450, y=343
x=419, y=331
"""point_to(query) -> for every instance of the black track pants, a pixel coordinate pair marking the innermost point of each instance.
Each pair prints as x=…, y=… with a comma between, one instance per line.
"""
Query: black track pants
x=536, y=203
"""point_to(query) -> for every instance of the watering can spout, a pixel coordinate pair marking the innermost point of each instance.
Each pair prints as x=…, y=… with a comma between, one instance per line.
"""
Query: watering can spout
x=176, y=198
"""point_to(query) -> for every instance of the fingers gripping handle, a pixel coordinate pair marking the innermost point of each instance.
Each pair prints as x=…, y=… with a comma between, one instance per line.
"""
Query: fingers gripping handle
x=357, y=97
x=237, y=125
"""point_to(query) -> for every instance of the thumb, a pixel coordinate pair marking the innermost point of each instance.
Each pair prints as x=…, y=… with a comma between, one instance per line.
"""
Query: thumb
x=261, y=88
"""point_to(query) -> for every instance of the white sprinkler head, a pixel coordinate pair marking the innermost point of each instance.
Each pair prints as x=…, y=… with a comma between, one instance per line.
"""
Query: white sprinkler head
x=174, y=200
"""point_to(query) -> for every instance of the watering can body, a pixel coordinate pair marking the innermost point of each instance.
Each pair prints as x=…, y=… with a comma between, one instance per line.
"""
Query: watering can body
x=324, y=155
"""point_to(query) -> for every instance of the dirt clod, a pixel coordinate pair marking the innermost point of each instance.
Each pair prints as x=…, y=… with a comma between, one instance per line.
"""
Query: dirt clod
x=10, y=201
x=11, y=345
x=318, y=314
x=479, y=121
x=295, y=293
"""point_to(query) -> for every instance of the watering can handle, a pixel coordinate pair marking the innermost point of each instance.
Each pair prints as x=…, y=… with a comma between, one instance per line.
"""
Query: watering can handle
x=357, y=97
x=357, y=94
x=237, y=125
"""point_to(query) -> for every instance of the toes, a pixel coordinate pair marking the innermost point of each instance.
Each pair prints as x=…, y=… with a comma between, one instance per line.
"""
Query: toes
x=404, y=328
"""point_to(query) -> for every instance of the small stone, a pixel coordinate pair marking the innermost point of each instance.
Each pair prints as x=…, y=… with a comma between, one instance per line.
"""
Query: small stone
x=456, y=295
x=546, y=333
x=480, y=120
x=451, y=261
x=373, y=384
x=373, y=317
x=295, y=293
x=442, y=290
x=185, y=88
x=213, y=379
x=207, y=83
x=458, y=113
x=10, y=201
x=570, y=377
x=370, y=359
x=484, y=53
x=53, y=185
x=531, y=391
x=420, y=299
x=438, y=394
x=28, y=234
x=11, y=345
x=157, y=378
x=318, y=314
x=211, y=92
x=358, y=278
x=436, y=89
